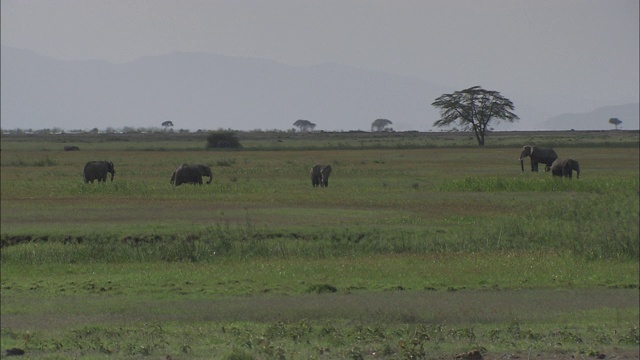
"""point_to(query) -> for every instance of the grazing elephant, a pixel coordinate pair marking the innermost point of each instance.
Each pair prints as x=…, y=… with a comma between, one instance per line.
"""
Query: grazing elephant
x=538, y=155
x=97, y=170
x=71, y=148
x=191, y=174
x=324, y=173
x=565, y=167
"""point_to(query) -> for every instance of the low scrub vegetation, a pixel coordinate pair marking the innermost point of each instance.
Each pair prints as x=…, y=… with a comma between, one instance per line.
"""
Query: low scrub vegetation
x=223, y=139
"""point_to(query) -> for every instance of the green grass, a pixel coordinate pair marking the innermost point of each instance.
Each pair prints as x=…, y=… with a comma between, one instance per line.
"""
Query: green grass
x=224, y=276
x=423, y=246
x=501, y=303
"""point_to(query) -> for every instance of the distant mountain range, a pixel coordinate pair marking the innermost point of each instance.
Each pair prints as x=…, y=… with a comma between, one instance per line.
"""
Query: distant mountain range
x=206, y=91
x=598, y=119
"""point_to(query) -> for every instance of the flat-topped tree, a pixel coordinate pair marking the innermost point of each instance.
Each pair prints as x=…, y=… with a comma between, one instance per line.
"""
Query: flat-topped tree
x=304, y=125
x=380, y=125
x=474, y=109
x=615, y=122
x=167, y=124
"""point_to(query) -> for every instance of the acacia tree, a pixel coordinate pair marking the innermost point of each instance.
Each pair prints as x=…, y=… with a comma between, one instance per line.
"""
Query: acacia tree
x=167, y=124
x=615, y=122
x=380, y=124
x=474, y=109
x=304, y=125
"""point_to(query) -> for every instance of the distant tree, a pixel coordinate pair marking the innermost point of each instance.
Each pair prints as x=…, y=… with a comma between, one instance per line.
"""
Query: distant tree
x=615, y=122
x=474, y=109
x=304, y=125
x=380, y=125
x=167, y=124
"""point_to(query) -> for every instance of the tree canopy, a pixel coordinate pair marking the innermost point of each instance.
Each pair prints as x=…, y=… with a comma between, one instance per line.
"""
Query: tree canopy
x=474, y=109
x=304, y=125
x=615, y=122
x=167, y=124
x=380, y=125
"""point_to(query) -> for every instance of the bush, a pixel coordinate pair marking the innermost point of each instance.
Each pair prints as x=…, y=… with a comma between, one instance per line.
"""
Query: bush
x=222, y=139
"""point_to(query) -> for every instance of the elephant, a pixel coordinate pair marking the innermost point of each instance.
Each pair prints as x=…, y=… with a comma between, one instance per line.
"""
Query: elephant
x=325, y=171
x=71, y=148
x=320, y=175
x=565, y=167
x=191, y=174
x=316, y=176
x=173, y=176
x=538, y=155
x=97, y=170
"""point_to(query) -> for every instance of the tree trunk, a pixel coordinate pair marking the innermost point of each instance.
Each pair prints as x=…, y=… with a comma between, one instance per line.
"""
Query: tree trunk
x=477, y=129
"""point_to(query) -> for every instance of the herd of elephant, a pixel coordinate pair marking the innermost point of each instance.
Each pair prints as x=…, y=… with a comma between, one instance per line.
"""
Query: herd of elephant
x=548, y=156
x=184, y=174
x=189, y=174
x=193, y=174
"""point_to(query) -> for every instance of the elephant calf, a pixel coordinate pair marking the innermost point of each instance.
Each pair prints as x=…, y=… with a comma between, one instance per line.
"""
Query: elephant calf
x=97, y=170
x=565, y=167
x=320, y=175
x=191, y=174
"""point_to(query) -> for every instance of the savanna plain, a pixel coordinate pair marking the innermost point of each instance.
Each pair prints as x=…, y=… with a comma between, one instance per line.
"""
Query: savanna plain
x=423, y=246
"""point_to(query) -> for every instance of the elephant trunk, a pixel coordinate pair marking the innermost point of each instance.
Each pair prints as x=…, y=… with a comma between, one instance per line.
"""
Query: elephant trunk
x=210, y=179
x=522, y=164
x=577, y=171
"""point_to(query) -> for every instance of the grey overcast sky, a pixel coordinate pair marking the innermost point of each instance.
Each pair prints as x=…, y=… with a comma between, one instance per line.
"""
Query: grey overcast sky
x=585, y=52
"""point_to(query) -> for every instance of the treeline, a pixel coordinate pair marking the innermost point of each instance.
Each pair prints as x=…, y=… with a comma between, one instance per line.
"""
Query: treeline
x=131, y=130
x=109, y=130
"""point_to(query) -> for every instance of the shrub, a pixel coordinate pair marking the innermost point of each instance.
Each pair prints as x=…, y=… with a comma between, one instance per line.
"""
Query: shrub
x=222, y=139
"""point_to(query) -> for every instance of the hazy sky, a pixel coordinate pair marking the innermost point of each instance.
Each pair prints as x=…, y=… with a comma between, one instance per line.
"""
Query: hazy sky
x=581, y=53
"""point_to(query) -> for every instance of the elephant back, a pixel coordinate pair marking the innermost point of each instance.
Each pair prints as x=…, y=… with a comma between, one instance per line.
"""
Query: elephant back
x=95, y=170
x=565, y=167
x=188, y=175
x=556, y=167
x=315, y=169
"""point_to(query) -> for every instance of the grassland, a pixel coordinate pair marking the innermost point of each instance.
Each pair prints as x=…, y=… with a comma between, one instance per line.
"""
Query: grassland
x=423, y=246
